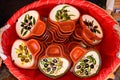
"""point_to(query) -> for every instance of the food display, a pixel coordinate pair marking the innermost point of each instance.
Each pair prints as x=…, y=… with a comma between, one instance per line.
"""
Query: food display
x=53, y=43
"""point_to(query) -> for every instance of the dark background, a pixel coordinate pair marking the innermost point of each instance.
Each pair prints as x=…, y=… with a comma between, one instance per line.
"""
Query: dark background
x=9, y=7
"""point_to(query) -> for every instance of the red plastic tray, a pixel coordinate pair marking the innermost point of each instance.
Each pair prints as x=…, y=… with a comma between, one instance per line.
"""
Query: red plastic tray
x=107, y=48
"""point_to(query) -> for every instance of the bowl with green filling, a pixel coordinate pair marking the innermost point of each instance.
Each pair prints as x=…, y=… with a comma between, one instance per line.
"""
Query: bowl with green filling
x=55, y=63
x=86, y=62
x=29, y=24
x=91, y=29
x=64, y=16
x=24, y=53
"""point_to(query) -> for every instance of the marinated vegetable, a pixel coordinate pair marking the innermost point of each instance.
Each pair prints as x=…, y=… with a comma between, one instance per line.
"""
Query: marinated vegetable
x=88, y=65
x=23, y=53
x=62, y=14
x=53, y=66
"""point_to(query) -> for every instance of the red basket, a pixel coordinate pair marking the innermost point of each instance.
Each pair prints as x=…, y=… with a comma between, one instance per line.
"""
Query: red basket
x=107, y=48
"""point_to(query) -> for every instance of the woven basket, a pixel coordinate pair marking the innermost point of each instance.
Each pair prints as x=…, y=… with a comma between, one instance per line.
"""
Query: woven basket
x=107, y=48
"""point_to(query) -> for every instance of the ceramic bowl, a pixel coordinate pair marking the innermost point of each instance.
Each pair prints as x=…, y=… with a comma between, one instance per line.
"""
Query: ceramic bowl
x=86, y=63
x=24, y=53
x=55, y=63
x=91, y=29
x=29, y=24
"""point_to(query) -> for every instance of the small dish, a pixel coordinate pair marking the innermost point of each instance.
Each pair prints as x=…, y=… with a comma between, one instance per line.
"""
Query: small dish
x=29, y=24
x=64, y=12
x=86, y=62
x=24, y=53
x=91, y=29
x=55, y=63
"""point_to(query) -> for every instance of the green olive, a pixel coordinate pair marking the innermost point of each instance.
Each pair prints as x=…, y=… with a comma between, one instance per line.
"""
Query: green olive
x=20, y=55
x=20, y=47
x=26, y=60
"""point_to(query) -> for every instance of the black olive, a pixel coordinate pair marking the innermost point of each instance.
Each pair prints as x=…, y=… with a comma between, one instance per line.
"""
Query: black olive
x=30, y=17
x=30, y=23
x=91, y=66
x=86, y=23
x=26, y=27
x=54, y=68
x=78, y=67
x=90, y=24
x=48, y=69
x=60, y=12
x=95, y=26
x=86, y=65
x=86, y=72
x=22, y=25
x=52, y=64
x=29, y=28
x=86, y=60
x=65, y=14
x=92, y=30
x=54, y=60
x=26, y=21
x=61, y=17
x=45, y=60
x=45, y=65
